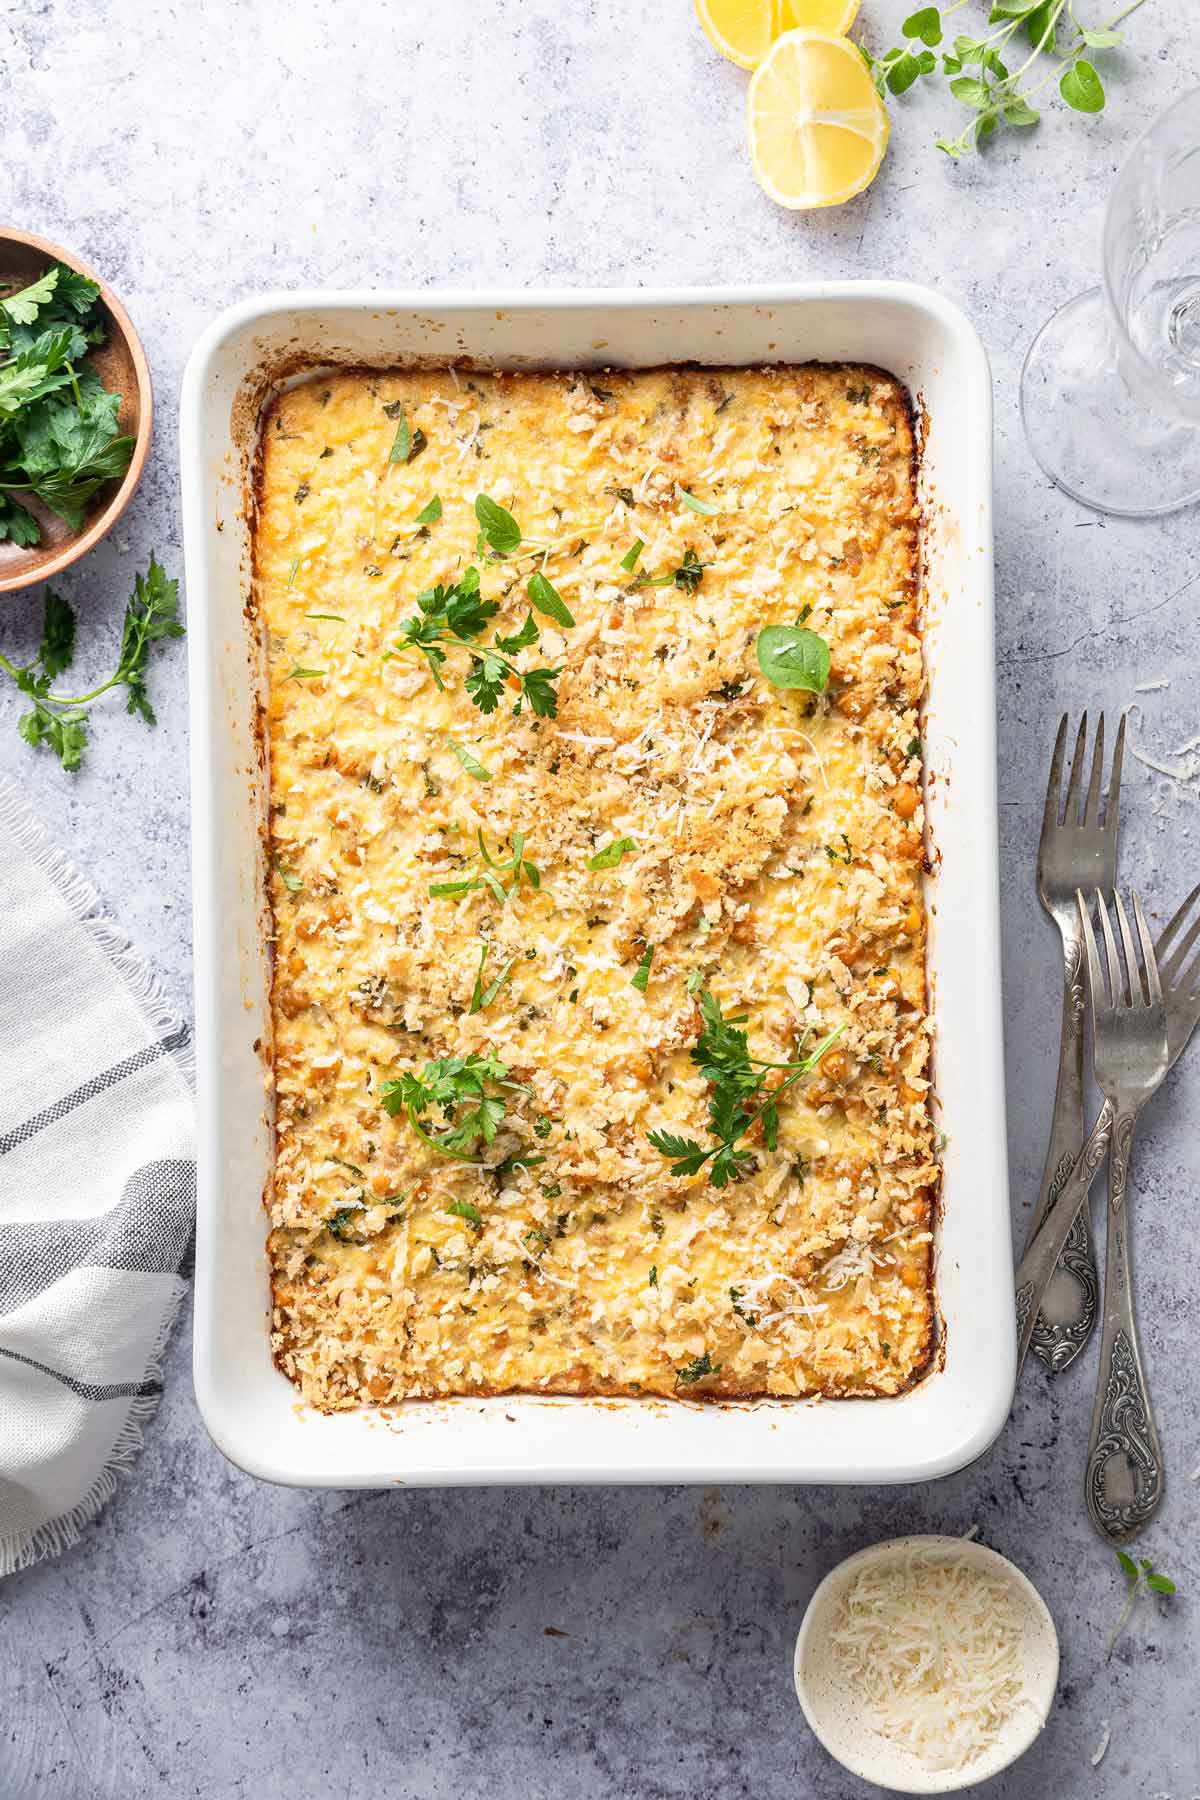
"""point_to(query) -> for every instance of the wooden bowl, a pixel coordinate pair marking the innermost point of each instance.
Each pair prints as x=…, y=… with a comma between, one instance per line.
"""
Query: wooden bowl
x=121, y=365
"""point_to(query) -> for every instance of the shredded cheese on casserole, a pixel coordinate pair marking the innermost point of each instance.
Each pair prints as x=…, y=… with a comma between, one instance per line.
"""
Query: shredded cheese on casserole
x=776, y=859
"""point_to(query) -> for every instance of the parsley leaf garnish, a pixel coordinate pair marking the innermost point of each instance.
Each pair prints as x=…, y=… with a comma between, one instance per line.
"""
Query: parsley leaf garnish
x=470, y=1093
x=429, y=515
x=521, y=640
x=59, y=721
x=641, y=979
x=736, y=1079
x=630, y=559
x=340, y=1223
x=458, y=616
x=696, y=1370
x=611, y=855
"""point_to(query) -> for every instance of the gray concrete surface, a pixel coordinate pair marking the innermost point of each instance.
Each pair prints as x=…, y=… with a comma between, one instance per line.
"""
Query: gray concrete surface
x=213, y=1637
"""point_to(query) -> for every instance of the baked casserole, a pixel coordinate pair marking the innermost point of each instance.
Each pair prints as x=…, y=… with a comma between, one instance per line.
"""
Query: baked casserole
x=601, y=1050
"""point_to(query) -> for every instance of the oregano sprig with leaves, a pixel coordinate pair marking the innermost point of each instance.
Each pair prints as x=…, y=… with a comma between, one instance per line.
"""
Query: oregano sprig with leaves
x=60, y=721
x=1141, y=1577
x=737, y=1080
x=983, y=73
x=501, y=539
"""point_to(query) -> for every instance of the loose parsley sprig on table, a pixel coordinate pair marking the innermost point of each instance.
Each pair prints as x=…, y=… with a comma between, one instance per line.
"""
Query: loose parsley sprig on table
x=458, y=616
x=61, y=721
x=486, y=871
x=722, y=1054
x=470, y=1092
x=59, y=438
x=1141, y=1577
x=977, y=73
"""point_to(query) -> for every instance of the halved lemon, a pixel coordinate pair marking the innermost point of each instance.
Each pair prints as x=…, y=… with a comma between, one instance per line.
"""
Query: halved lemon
x=744, y=30
x=817, y=128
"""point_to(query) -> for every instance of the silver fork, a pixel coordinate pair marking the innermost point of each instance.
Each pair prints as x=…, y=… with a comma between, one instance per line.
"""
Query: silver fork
x=1116, y=1030
x=1078, y=851
x=1124, y=1481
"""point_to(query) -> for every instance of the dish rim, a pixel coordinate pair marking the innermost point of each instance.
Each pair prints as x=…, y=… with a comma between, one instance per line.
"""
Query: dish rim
x=228, y=1430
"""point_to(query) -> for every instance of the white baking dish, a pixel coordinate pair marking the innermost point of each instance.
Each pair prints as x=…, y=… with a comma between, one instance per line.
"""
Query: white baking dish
x=251, y=1410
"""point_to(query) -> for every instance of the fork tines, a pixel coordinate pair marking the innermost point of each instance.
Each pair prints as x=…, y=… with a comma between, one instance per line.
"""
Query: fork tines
x=1124, y=980
x=1173, y=955
x=1089, y=814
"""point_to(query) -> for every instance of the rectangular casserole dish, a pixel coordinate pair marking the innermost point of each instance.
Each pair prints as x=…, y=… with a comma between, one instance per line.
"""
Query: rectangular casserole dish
x=251, y=1410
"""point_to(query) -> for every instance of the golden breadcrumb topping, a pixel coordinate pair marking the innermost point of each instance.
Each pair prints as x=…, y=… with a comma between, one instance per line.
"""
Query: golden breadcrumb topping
x=764, y=857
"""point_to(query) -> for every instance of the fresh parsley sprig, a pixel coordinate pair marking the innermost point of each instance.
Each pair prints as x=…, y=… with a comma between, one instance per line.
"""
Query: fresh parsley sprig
x=59, y=437
x=469, y=1091
x=60, y=721
x=736, y=1078
x=457, y=616
x=979, y=77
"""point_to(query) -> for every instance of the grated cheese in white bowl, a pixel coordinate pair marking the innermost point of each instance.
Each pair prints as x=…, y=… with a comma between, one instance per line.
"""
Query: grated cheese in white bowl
x=926, y=1664
x=931, y=1646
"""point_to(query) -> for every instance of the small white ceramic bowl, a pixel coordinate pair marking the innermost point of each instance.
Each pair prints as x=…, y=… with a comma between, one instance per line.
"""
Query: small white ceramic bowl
x=830, y=1711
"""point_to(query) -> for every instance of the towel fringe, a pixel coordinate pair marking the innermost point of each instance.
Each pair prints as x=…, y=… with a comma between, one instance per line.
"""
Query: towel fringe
x=85, y=905
x=21, y=1549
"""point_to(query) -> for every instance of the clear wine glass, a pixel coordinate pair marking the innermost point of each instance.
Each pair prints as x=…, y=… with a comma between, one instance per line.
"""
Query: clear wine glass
x=1110, y=390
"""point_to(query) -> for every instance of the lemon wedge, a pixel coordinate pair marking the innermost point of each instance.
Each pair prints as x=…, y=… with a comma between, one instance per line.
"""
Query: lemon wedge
x=744, y=30
x=817, y=128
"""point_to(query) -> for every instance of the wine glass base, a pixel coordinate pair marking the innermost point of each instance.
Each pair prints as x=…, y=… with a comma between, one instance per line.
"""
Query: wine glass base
x=1093, y=436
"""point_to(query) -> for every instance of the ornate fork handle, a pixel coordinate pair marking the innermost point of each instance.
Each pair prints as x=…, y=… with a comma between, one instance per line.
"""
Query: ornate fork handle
x=1124, y=1481
x=1041, y=1256
x=1059, y=1342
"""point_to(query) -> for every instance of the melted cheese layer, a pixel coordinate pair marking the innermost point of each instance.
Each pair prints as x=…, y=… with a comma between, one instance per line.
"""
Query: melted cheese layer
x=778, y=853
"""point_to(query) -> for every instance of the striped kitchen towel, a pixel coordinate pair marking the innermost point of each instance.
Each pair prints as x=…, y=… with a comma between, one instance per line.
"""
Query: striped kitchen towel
x=97, y=1187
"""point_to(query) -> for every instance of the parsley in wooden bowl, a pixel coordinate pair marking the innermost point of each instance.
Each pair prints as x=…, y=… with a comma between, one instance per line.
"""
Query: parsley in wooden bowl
x=75, y=409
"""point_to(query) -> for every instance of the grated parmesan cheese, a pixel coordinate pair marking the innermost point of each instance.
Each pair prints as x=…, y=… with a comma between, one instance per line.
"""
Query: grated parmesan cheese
x=929, y=1643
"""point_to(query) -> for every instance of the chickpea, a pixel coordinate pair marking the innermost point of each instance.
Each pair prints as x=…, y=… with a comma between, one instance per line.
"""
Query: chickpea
x=906, y=799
